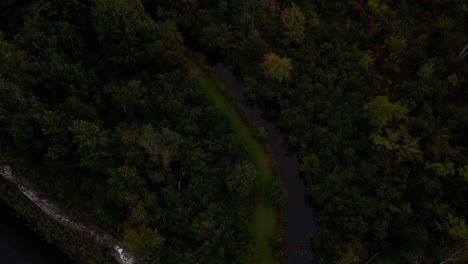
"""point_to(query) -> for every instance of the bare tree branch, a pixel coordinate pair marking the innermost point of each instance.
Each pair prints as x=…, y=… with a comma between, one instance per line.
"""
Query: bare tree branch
x=375, y=255
x=453, y=257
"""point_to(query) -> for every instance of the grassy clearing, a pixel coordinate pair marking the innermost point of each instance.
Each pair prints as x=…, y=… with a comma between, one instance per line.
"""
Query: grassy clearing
x=263, y=226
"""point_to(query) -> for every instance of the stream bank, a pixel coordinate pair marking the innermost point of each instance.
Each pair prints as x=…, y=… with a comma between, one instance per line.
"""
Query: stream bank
x=55, y=215
x=300, y=222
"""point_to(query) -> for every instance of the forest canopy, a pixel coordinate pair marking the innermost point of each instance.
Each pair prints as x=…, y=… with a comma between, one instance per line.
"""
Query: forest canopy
x=99, y=111
x=372, y=94
x=97, y=105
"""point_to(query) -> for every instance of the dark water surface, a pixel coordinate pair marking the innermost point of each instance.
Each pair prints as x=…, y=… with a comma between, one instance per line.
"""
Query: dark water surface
x=20, y=245
x=300, y=225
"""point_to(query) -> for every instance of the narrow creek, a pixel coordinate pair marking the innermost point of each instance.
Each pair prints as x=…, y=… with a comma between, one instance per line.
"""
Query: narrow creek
x=300, y=223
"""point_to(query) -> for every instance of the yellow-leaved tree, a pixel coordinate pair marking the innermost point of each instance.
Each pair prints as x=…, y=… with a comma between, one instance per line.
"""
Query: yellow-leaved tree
x=276, y=67
x=293, y=21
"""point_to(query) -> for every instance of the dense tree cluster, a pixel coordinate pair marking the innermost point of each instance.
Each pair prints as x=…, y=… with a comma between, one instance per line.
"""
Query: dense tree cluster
x=374, y=100
x=98, y=111
x=98, y=108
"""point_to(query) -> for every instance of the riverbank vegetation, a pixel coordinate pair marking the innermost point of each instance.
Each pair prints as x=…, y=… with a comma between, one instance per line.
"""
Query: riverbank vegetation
x=101, y=111
x=373, y=96
x=266, y=225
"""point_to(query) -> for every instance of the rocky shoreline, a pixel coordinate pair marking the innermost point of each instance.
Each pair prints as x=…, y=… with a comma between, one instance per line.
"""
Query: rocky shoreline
x=51, y=211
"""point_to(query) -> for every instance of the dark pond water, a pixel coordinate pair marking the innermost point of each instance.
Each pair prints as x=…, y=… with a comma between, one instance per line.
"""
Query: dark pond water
x=300, y=225
x=20, y=245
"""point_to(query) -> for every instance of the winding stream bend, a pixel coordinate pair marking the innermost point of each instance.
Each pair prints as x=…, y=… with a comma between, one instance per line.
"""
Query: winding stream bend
x=300, y=223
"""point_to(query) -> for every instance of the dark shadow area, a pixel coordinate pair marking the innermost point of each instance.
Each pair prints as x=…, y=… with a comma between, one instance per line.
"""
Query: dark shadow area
x=19, y=244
